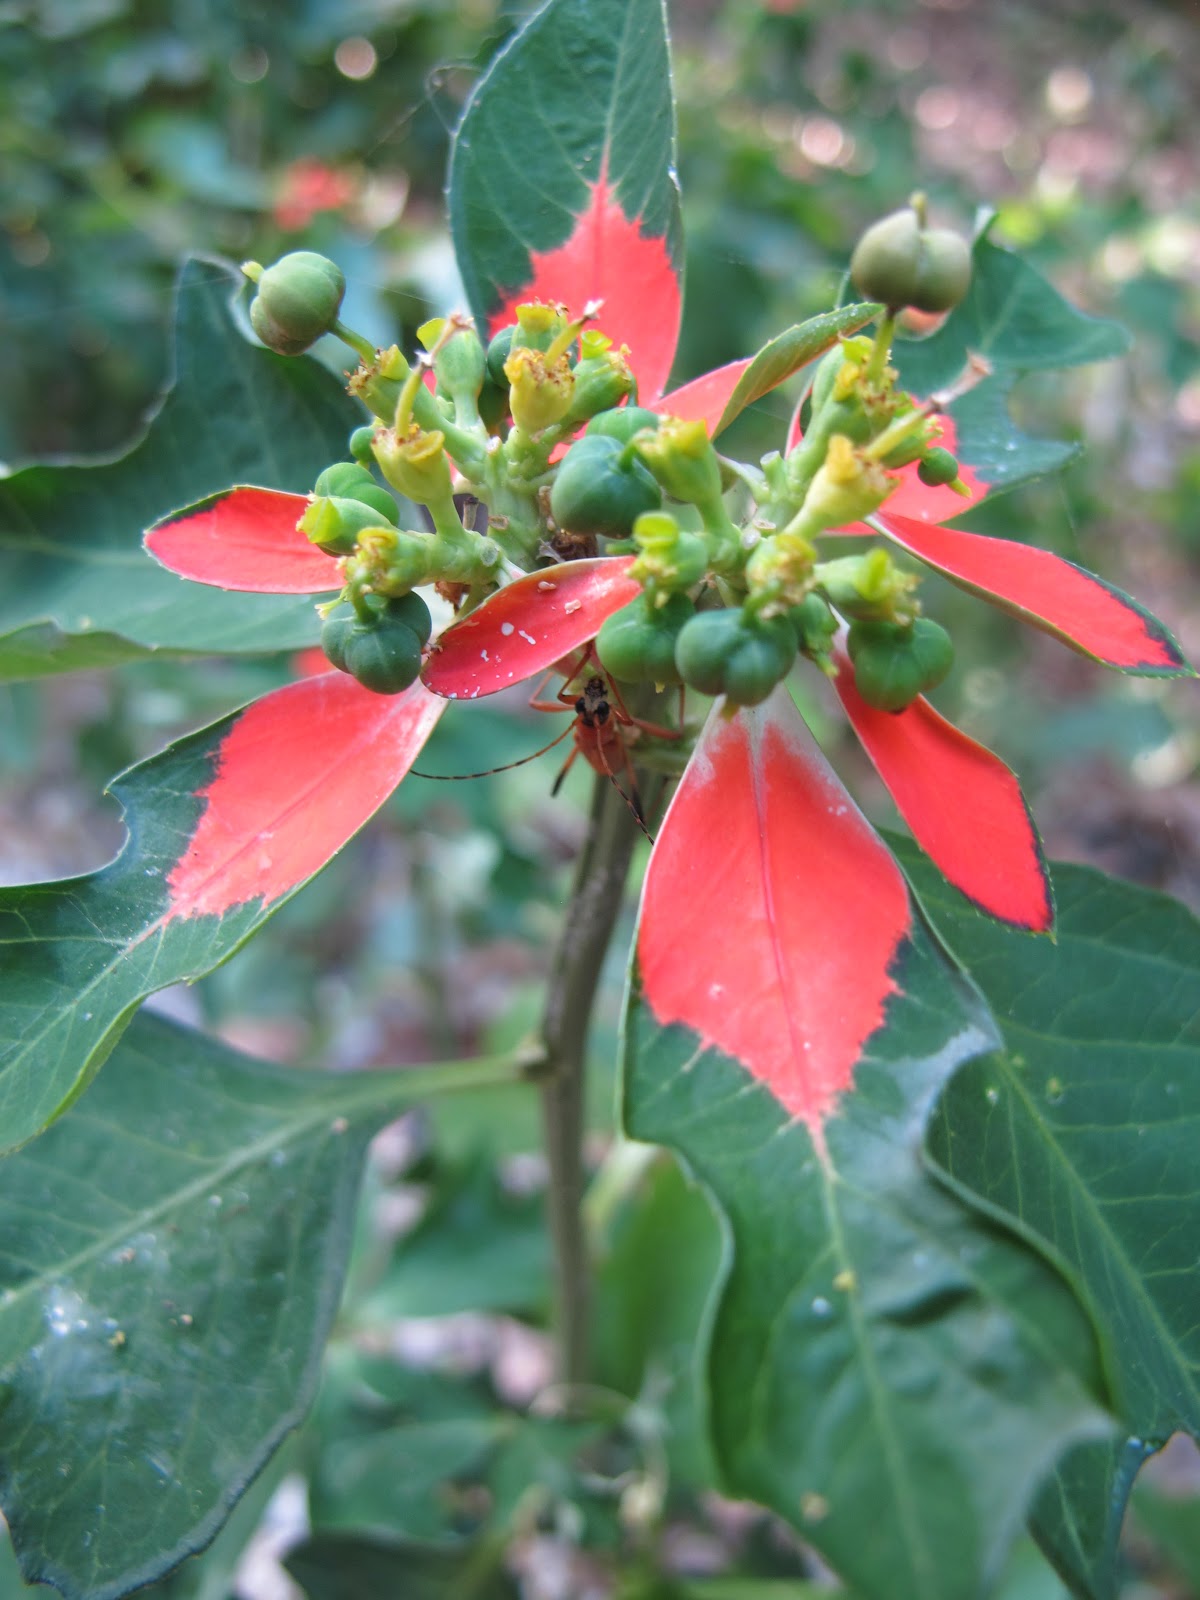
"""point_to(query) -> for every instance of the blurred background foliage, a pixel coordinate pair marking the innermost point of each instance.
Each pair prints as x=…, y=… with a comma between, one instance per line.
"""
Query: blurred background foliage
x=134, y=131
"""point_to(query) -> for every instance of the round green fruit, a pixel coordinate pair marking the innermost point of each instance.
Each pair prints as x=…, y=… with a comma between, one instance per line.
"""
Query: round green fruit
x=597, y=491
x=937, y=467
x=622, y=422
x=895, y=662
x=637, y=643
x=361, y=442
x=297, y=300
x=724, y=652
x=383, y=654
x=902, y=264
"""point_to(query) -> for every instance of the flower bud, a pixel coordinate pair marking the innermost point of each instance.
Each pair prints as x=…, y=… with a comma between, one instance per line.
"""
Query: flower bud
x=681, y=456
x=416, y=465
x=870, y=586
x=539, y=393
x=297, y=300
x=670, y=560
x=847, y=487
x=459, y=359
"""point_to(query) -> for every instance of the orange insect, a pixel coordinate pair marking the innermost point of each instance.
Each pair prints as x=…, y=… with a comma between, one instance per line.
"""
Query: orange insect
x=601, y=728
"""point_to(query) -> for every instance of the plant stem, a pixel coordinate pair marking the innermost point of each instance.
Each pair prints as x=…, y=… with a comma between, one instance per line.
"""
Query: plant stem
x=591, y=913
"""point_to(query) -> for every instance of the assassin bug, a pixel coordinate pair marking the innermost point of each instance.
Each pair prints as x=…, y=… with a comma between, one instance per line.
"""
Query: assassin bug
x=601, y=729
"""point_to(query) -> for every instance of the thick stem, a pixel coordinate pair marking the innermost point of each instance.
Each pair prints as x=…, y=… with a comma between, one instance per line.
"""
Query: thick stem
x=591, y=913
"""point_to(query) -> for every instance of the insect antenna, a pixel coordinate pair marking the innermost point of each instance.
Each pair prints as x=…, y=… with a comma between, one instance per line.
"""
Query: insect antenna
x=461, y=777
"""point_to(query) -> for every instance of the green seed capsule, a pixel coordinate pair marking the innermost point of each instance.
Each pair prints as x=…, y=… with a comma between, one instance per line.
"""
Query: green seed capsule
x=498, y=352
x=384, y=654
x=902, y=264
x=815, y=625
x=622, y=422
x=937, y=467
x=347, y=480
x=895, y=662
x=298, y=300
x=597, y=491
x=342, y=478
x=724, y=652
x=360, y=443
x=637, y=643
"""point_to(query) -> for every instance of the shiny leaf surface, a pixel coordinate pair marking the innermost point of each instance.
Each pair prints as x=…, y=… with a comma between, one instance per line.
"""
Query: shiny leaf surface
x=964, y=806
x=244, y=538
x=523, y=629
x=878, y=1358
x=1079, y=1134
x=171, y=1255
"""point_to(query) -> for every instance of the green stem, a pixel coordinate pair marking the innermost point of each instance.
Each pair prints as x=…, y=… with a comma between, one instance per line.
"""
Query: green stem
x=591, y=914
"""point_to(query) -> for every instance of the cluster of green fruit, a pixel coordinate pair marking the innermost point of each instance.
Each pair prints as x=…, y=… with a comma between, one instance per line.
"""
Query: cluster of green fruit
x=731, y=651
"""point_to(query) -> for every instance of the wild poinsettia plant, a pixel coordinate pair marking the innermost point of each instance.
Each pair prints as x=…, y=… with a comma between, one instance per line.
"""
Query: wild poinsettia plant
x=952, y=1294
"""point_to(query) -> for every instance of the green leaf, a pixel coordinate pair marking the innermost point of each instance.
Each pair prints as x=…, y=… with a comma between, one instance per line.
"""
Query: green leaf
x=171, y=1256
x=401, y=1483
x=660, y=1255
x=880, y=1358
x=1172, y=1521
x=333, y=1566
x=77, y=589
x=1018, y=323
x=1081, y=1133
x=789, y=351
x=1078, y=1514
x=477, y=1248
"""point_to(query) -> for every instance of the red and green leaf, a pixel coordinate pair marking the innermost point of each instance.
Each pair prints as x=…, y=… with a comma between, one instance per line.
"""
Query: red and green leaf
x=1053, y=594
x=224, y=826
x=523, y=629
x=877, y=1357
x=760, y=833
x=244, y=538
x=562, y=183
x=964, y=806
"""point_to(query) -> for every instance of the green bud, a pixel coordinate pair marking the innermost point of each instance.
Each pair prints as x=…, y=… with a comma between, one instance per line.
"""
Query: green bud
x=601, y=488
x=681, y=456
x=361, y=441
x=297, y=300
x=671, y=559
x=416, y=465
x=937, y=467
x=600, y=382
x=334, y=524
x=459, y=359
